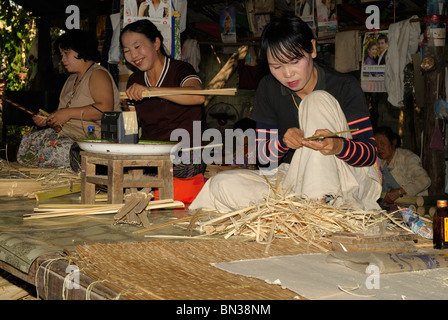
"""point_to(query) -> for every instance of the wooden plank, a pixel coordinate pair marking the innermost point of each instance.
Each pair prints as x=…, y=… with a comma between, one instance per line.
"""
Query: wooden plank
x=403, y=246
x=355, y=238
x=18, y=187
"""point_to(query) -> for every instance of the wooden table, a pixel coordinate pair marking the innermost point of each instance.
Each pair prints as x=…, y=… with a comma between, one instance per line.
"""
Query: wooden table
x=124, y=171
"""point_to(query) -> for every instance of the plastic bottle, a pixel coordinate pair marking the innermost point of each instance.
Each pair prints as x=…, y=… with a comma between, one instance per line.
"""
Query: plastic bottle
x=440, y=225
x=416, y=224
x=91, y=132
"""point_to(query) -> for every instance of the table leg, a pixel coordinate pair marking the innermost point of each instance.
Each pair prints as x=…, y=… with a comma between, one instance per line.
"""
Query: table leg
x=115, y=182
x=166, y=174
x=87, y=188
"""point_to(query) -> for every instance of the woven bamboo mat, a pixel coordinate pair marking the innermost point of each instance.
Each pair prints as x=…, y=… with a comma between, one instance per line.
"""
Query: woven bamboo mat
x=182, y=270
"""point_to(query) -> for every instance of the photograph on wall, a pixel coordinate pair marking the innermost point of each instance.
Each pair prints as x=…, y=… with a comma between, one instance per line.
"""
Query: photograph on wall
x=374, y=52
x=305, y=10
x=327, y=17
x=227, y=21
x=159, y=12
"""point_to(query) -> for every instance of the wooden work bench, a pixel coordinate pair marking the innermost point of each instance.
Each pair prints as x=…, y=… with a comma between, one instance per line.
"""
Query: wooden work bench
x=124, y=171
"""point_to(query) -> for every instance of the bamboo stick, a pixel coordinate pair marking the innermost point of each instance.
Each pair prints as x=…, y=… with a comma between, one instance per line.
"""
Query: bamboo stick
x=67, y=124
x=70, y=213
x=161, y=93
x=322, y=136
x=163, y=225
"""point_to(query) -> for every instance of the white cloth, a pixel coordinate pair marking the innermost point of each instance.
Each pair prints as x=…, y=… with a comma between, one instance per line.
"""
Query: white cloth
x=347, y=51
x=191, y=53
x=403, y=42
x=310, y=173
x=115, y=54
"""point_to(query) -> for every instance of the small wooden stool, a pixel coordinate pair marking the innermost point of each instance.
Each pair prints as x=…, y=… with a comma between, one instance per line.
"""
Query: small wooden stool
x=116, y=179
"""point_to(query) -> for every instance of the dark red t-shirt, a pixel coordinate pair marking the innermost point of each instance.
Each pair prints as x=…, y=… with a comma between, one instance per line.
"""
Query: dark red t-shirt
x=158, y=117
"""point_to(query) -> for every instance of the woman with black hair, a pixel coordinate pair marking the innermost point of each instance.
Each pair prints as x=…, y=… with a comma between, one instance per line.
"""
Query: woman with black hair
x=87, y=92
x=143, y=48
x=401, y=169
x=297, y=100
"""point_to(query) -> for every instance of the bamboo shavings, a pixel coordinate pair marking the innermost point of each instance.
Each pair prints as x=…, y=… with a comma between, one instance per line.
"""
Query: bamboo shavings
x=18, y=180
x=302, y=220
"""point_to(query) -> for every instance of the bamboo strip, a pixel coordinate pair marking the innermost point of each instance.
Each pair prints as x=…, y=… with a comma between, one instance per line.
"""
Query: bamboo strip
x=73, y=213
x=161, y=93
x=163, y=225
x=322, y=136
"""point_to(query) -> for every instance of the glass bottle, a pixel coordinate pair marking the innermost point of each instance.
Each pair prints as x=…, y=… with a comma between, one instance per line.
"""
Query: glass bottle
x=440, y=225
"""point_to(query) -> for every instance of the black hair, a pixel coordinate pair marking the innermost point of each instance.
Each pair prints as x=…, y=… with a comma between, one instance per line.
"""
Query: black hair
x=382, y=36
x=148, y=29
x=286, y=38
x=390, y=135
x=82, y=42
x=371, y=44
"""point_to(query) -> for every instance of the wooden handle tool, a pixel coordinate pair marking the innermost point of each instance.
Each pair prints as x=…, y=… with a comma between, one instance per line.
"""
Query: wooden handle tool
x=56, y=128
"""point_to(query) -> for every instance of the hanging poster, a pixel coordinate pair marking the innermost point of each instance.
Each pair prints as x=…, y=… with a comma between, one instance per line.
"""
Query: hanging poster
x=374, y=53
x=158, y=11
x=305, y=10
x=227, y=21
x=436, y=7
x=327, y=18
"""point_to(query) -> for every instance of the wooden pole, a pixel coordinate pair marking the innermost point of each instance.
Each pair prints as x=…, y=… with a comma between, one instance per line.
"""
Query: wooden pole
x=219, y=81
x=433, y=159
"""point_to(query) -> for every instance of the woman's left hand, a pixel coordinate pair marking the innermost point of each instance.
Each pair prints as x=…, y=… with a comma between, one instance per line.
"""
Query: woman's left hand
x=135, y=91
x=58, y=118
x=327, y=146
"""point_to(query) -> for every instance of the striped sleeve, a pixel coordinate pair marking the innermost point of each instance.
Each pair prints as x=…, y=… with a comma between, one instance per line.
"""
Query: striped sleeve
x=361, y=150
x=269, y=144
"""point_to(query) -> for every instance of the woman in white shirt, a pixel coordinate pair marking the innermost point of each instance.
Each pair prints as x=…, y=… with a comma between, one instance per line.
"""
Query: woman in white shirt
x=401, y=168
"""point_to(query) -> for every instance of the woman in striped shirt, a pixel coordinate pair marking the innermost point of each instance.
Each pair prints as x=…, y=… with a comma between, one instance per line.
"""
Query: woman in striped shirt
x=297, y=100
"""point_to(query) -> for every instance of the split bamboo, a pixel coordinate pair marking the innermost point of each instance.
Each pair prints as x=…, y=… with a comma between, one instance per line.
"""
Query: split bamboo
x=161, y=93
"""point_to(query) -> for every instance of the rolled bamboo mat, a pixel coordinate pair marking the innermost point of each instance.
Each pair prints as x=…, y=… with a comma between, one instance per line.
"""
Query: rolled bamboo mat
x=181, y=270
x=161, y=93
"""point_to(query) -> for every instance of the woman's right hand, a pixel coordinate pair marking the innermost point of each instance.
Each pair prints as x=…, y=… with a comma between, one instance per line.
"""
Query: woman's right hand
x=40, y=120
x=293, y=138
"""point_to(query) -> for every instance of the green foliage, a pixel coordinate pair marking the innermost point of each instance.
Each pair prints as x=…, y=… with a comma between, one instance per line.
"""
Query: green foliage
x=15, y=38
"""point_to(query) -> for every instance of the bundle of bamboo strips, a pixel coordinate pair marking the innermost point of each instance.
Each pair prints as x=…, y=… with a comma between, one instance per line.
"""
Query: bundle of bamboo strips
x=294, y=217
x=65, y=210
x=161, y=93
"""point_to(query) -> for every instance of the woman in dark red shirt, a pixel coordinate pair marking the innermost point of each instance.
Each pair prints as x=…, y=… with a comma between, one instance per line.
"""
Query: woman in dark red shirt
x=158, y=117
